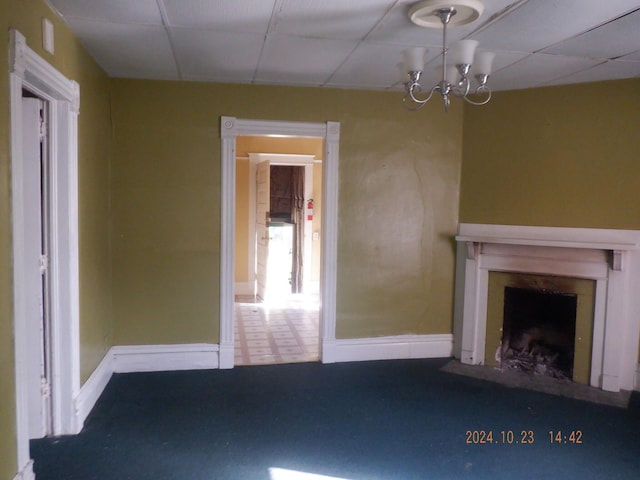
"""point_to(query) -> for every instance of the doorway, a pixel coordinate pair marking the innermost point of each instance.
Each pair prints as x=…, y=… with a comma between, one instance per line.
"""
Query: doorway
x=329, y=133
x=278, y=255
x=29, y=72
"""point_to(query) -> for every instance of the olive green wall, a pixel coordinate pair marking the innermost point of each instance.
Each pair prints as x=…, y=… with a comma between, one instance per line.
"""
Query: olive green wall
x=8, y=450
x=94, y=138
x=560, y=156
x=399, y=177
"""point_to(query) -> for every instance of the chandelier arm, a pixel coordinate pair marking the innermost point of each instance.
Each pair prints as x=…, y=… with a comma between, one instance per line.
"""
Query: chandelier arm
x=462, y=88
x=412, y=107
x=416, y=86
x=478, y=91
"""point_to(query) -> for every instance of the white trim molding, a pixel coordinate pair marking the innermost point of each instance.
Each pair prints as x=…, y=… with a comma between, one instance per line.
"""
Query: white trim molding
x=282, y=158
x=29, y=71
x=26, y=472
x=389, y=348
x=92, y=389
x=160, y=358
x=609, y=257
x=230, y=128
x=141, y=358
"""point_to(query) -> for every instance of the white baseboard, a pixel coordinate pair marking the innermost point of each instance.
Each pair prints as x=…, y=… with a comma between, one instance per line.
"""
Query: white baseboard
x=637, y=386
x=244, y=288
x=226, y=356
x=154, y=358
x=197, y=356
x=139, y=358
x=92, y=389
x=26, y=473
x=388, y=348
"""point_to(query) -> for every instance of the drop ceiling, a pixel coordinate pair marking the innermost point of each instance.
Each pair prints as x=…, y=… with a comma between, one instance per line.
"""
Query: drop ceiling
x=351, y=43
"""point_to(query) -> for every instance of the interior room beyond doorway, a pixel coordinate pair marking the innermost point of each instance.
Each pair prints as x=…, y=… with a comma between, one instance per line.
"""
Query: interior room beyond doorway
x=277, y=263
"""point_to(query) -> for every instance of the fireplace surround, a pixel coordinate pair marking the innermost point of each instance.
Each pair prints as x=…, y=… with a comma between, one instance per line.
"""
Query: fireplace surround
x=610, y=258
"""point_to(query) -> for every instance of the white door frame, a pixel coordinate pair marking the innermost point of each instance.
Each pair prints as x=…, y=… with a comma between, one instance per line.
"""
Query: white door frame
x=230, y=128
x=29, y=71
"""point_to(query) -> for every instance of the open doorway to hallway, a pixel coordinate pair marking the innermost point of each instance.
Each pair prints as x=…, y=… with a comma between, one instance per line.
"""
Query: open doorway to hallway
x=278, y=244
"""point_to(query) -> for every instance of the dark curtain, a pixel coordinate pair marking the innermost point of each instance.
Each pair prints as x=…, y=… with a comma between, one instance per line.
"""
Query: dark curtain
x=280, y=201
x=297, y=218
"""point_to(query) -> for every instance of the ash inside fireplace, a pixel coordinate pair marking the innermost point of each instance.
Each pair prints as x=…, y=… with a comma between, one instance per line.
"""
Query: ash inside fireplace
x=539, y=332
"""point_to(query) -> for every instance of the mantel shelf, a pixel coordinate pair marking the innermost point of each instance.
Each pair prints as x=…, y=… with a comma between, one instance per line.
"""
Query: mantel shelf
x=545, y=242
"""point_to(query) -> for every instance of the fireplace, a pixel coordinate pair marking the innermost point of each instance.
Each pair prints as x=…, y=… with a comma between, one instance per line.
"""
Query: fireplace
x=538, y=332
x=540, y=324
x=558, y=301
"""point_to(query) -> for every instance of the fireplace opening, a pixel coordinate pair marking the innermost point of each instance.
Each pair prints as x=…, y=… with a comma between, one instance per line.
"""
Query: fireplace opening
x=539, y=332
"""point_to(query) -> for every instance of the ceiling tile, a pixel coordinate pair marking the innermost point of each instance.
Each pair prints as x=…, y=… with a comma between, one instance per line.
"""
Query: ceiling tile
x=350, y=43
x=612, y=40
x=126, y=11
x=370, y=65
x=536, y=25
x=128, y=50
x=611, y=70
x=504, y=59
x=241, y=16
x=297, y=60
x=204, y=54
x=537, y=69
x=329, y=18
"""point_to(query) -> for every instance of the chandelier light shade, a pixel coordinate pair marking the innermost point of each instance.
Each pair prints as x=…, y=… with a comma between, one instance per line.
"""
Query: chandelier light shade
x=461, y=66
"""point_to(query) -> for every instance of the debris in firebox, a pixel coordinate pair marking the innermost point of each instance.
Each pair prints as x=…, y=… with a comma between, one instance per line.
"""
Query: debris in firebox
x=538, y=360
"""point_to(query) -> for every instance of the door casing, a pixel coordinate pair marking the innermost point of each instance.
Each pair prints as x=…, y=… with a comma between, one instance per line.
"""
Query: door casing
x=230, y=128
x=29, y=71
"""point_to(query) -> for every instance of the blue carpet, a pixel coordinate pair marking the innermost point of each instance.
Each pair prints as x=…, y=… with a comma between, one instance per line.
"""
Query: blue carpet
x=355, y=421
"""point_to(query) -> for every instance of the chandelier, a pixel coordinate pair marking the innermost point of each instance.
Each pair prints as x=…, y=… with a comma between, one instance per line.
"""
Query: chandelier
x=458, y=63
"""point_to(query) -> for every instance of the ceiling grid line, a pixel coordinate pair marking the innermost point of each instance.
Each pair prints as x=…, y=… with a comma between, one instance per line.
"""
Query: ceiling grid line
x=167, y=29
x=278, y=5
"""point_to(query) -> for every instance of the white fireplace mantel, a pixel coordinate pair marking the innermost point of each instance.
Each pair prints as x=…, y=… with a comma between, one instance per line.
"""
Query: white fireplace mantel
x=609, y=257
